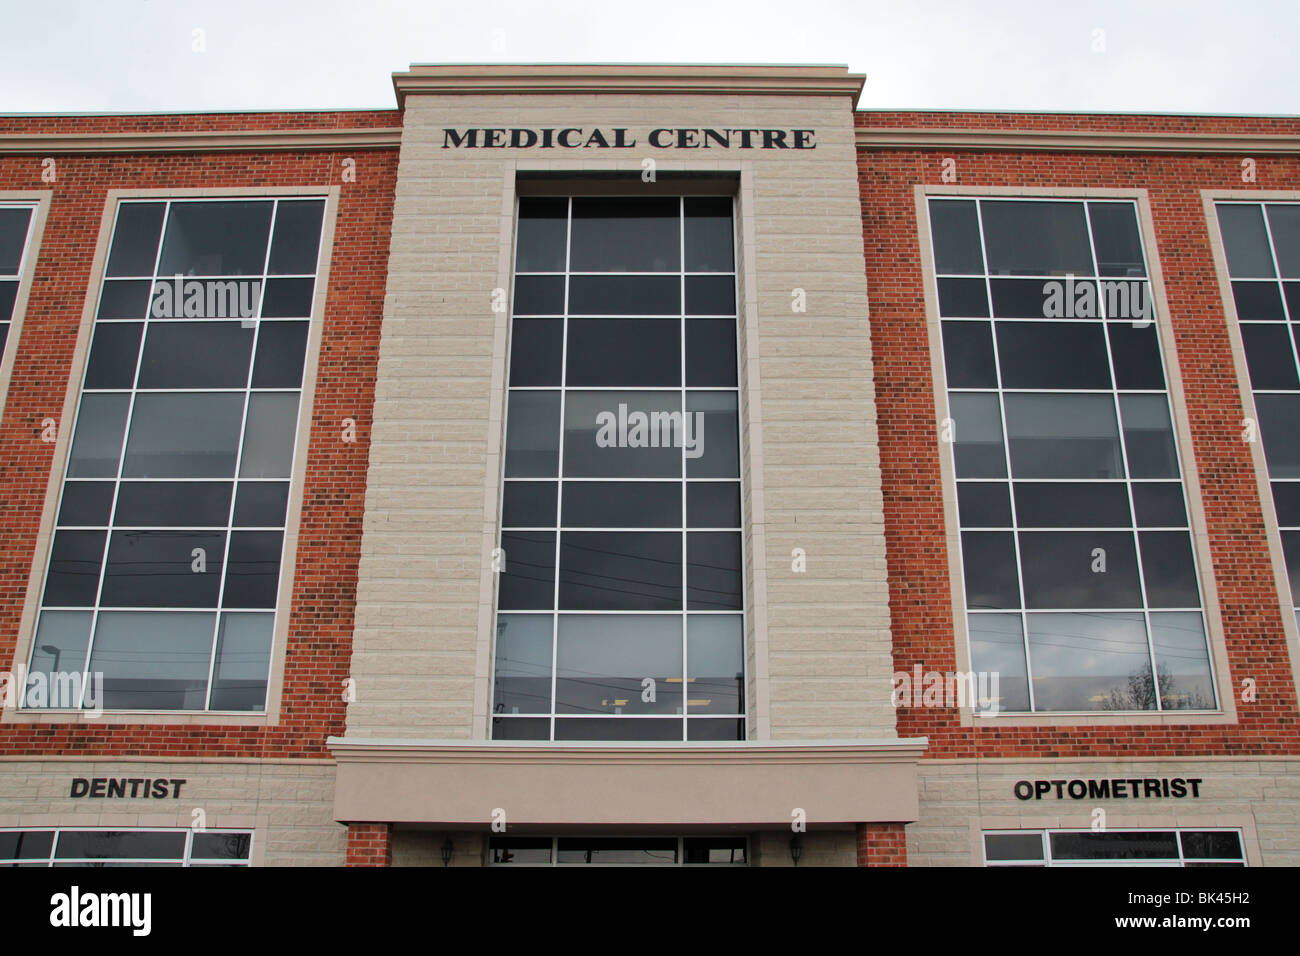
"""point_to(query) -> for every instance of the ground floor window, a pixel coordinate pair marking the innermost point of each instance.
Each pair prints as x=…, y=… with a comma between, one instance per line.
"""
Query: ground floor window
x=618, y=851
x=133, y=847
x=1113, y=848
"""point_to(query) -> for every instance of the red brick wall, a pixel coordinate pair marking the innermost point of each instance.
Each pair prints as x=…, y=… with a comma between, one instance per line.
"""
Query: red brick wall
x=881, y=844
x=324, y=589
x=921, y=608
x=369, y=844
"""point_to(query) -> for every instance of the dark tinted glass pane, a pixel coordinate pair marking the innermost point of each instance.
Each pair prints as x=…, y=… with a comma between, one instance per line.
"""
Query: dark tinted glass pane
x=968, y=355
x=1286, y=500
x=708, y=235
x=1257, y=300
x=1115, y=239
x=626, y=235
x=713, y=849
x=1148, y=437
x=989, y=560
x=1279, y=428
x=86, y=503
x=113, y=354
x=715, y=423
x=713, y=504
x=715, y=664
x=1036, y=299
x=1013, y=846
x=1269, y=356
x=536, y=351
x=269, y=435
x=533, y=435
x=1071, y=505
x=624, y=352
x=997, y=646
x=73, y=575
x=618, y=850
x=243, y=662
x=711, y=352
x=135, y=239
x=528, y=504
x=622, y=504
x=215, y=239
x=1292, y=292
x=13, y=238
x=1036, y=238
x=8, y=296
x=621, y=571
x=714, y=563
x=185, y=504
x=253, y=569
x=177, y=646
x=158, y=569
x=710, y=295
x=179, y=435
x=521, y=677
x=296, y=241
x=1063, y=436
x=627, y=434
x=1211, y=844
x=1159, y=505
x=1053, y=355
x=196, y=355
x=129, y=844
x=602, y=662
x=97, y=442
x=288, y=298
x=520, y=849
x=1290, y=549
x=539, y=295
x=261, y=503
x=1091, y=661
x=613, y=728
x=1245, y=241
x=955, y=227
x=963, y=297
x=1058, y=569
x=220, y=846
x=1284, y=226
x=625, y=295
x=26, y=844
x=983, y=505
x=540, y=243
x=281, y=347
x=520, y=728
x=1135, y=353
x=124, y=299
x=713, y=728
x=527, y=577
x=1114, y=846
x=976, y=433
x=1168, y=569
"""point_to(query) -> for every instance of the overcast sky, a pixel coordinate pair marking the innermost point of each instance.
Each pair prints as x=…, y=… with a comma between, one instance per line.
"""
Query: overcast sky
x=145, y=55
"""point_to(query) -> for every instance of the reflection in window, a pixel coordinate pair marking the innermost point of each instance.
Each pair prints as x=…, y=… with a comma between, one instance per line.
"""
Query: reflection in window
x=1114, y=847
x=164, y=570
x=104, y=847
x=620, y=596
x=1079, y=574
x=617, y=851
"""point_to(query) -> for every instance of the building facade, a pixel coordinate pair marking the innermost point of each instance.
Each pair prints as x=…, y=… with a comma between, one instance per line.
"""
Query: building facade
x=599, y=465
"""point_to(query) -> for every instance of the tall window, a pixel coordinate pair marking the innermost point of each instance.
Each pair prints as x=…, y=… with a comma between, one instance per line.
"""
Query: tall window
x=620, y=597
x=15, y=227
x=1080, y=580
x=162, y=582
x=1262, y=243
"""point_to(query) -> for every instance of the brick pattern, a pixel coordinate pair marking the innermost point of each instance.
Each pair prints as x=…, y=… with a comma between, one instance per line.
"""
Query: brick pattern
x=369, y=844
x=922, y=620
x=882, y=844
x=321, y=610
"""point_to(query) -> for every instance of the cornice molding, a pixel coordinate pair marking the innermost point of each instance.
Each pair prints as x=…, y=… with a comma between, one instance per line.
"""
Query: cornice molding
x=1245, y=144
x=454, y=80
x=201, y=141
x=369, y=750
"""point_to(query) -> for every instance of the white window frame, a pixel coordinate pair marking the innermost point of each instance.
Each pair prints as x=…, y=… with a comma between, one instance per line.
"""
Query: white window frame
x=39, y=204
x=1047, y=860
x=184, y=860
